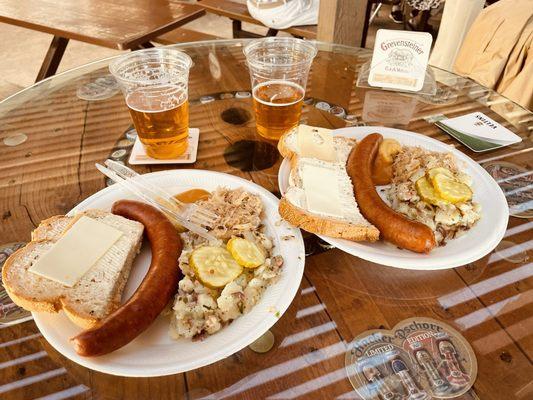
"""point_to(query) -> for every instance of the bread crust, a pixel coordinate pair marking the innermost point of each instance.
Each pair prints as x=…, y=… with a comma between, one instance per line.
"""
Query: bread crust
x=324, y=226
x=57, y=304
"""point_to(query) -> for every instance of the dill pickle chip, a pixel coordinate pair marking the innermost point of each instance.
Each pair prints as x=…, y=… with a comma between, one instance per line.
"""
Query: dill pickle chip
x=214, y=266
x=245, y=252
x=434, y=171
x=451, y=189
x=426, y=192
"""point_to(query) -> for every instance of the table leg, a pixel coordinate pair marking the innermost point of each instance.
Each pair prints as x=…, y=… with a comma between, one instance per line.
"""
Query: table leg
x=145, y=45
x=53, y=58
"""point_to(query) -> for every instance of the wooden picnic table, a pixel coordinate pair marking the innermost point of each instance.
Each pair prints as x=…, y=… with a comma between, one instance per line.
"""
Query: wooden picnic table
x=55, y=138
x=123, y=25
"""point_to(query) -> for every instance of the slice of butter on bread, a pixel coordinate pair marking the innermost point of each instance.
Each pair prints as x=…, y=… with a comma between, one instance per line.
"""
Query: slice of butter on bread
x=320, y=197
x=98, y=292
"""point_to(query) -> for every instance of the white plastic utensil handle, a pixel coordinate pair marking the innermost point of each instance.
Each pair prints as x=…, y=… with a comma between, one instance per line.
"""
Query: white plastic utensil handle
x=132, y=188
x=127, y=173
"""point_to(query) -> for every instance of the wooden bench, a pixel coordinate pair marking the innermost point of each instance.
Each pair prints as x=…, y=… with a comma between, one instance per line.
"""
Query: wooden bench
x=182, y=35
x=238, y=13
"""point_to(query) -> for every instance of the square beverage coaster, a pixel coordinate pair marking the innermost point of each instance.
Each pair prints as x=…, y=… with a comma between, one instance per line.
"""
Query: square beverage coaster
x=138, y=154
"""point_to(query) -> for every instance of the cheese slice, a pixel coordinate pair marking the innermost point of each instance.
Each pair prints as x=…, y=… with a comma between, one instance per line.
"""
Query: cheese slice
x=316, y=143
x=322, y=195
x=76, y=251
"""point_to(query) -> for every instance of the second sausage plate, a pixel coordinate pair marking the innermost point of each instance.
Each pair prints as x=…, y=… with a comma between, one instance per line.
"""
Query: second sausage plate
x=154, y=353
x=473, y=245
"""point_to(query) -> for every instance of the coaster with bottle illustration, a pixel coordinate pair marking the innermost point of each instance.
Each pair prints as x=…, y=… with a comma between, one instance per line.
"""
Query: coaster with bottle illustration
x=419, y=359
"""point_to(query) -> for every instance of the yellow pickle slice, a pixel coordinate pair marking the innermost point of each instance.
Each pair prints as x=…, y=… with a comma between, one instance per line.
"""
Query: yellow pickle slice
x=214, y=266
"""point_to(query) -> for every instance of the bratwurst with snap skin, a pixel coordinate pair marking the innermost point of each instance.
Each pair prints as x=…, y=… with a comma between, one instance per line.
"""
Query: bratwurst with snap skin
x=151, y=297
x=393, y=227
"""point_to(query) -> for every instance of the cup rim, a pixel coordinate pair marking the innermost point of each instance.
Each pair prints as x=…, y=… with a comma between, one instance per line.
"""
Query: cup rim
x=256, y=42
x=114, y=66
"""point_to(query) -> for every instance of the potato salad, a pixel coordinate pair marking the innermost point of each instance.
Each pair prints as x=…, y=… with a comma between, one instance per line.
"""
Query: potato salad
x=224, y=280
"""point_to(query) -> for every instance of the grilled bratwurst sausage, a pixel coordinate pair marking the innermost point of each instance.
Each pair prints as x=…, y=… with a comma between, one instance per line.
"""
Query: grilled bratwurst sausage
x=155, y=291
x=394, y=227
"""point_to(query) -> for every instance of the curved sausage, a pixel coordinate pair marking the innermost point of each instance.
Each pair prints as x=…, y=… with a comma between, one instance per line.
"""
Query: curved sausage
x=394, y=227
x=151, y=297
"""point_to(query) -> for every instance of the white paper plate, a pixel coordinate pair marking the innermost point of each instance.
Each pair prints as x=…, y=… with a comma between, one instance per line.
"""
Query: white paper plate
x=153, y=353
x=476, y=243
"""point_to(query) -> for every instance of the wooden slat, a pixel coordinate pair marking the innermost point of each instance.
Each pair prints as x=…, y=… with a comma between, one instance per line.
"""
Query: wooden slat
x=121, y=25
x=360, y=295
x=182, y=35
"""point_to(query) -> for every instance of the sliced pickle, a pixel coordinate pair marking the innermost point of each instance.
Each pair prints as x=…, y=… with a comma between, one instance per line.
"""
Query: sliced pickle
x=434, y=171
x=214, y=266
x=426, y=192
x=245, y=252
x=450, y=189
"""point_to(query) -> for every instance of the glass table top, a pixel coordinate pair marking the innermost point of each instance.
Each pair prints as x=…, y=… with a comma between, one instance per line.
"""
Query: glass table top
x=52, y=133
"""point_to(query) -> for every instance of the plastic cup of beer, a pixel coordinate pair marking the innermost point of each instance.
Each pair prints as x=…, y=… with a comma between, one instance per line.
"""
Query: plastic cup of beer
x=155, y=85
x=278, y=70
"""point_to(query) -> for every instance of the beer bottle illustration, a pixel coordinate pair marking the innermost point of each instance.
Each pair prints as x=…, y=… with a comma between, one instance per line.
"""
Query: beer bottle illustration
x=376, y=381
x=455, y=375
x=399, y=367
x=438, y=385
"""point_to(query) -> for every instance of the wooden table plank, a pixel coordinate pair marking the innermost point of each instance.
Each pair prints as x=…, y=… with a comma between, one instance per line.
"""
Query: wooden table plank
x=121, y=25
x=352, y=288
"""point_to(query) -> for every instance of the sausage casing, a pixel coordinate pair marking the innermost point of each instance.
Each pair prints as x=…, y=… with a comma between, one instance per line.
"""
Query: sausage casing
x=393, y=226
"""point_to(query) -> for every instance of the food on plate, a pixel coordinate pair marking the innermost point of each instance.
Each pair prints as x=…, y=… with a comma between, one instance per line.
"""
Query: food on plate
x=192, y=195
x=214, y=266
x=245, y=252
x=223, y=280
x=95, y=293
x=320, y=197
x=393, y=226
x=382, y=169
x=430, y=188
x=153, y=294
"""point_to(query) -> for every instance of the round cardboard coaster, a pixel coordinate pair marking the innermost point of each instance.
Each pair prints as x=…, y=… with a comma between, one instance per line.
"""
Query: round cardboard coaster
x=419, y=359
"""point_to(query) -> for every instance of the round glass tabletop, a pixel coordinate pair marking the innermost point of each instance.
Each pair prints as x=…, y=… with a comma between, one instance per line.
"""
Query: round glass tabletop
x=53, y=133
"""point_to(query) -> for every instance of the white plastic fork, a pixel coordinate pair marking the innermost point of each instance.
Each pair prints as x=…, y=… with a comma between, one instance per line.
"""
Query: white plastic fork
x=191, y=212
x=137, y=190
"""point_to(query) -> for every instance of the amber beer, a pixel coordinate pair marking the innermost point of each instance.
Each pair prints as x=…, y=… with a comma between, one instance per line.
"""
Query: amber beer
x=155, y=86
x=278, y=73
x=278, y=107
x=161, y=118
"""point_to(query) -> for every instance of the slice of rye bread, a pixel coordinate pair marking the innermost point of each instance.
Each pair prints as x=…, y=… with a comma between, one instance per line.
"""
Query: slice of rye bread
x=292, y=208
x=97, y=293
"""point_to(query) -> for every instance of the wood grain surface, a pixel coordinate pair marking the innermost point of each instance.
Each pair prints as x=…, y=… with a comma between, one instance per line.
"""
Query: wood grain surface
x=115, y=24
x=489, y=301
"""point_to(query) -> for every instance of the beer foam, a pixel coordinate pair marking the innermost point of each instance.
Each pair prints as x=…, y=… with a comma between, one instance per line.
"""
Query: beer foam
x=156, y=99
x=278, y=82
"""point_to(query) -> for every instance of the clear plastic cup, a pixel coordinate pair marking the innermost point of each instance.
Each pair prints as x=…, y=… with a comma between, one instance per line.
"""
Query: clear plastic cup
x=278, y=70
x=155, y=85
